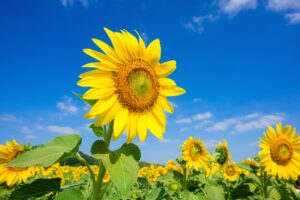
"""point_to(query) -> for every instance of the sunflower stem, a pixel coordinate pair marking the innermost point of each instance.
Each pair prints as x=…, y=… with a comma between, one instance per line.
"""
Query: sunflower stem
x=265, y=184
x=83, y=161
x=184, y=180
x=102, y=170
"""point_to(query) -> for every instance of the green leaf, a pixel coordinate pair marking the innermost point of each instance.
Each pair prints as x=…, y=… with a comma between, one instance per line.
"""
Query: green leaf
x=97, y=130
x=214, y=192
x=241, y=192
x=88, y=101
x=58, y=149
x=73, y=194
x=155, y=194
x=122, y=164
x=37, y=188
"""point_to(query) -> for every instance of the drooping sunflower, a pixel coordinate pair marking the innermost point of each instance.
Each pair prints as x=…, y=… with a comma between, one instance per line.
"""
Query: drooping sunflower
x=130, y=85
x=194, y=153
x=13, y=175
x=222, y=153
x=231, y=171
x=280, y=152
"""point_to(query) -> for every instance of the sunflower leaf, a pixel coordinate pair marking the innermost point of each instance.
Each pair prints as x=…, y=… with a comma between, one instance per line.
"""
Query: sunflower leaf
x=58, y=149
x=122, y=164
x=73, y=193
x=36, y=189
x=90, y=102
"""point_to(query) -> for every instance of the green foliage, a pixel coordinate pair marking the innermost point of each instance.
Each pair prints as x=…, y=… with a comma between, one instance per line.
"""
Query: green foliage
x=221, y=155
x=72, y=194
x=98, y=131
x=36, y=189
x=88, y=101
x=60, y=148
x=214, y=192
x=122, y=164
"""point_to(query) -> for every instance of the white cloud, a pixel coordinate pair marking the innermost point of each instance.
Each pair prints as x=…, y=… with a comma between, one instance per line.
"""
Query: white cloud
x=175, y=105
x=197, y=22
x=293, y=18
x=169, y=141
x=252, y=144
x=67, y=106
x=252, y=115
x=25, y=130
x=211, y=143
x=196, y=100
x=183, y=121
x=9, y=118
x=57, y=129
x=184, y=129
x=203, y=123
x=69, y=3
x=223, y=125
x=232, y=7
x=30, y=136
x=262, y=122
x=202, y=116
x=283, y=5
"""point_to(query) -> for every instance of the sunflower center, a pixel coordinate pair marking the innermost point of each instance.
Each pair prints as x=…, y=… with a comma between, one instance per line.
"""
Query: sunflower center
x=281, y=152
x=221, y=155
x=230, y=171
x=137, y=85
x=196, y=152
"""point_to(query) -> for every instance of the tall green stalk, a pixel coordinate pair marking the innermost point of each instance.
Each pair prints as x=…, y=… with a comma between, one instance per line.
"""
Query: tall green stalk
x=99, y=183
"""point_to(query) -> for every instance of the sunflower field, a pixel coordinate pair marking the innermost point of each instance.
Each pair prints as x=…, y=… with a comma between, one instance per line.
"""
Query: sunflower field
x=128, y=91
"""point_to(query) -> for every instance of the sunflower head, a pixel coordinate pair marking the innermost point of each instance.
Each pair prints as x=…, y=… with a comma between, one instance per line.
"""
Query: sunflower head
x=129, y=86
x=194, y=153
x=13, y=175
x=280, y=152
x=222, y=153
x=231, y=171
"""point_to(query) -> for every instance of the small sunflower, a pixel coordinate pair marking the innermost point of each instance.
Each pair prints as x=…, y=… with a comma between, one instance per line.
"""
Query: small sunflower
x=13, y=175
x=106, y=177
x=231, y=171
x=210, y=167
x=280, y=152
x=130, y=85
x=194, y=153
x=222, y=153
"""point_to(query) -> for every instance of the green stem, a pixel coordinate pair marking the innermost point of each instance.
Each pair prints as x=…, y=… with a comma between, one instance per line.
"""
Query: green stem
x=265, y=184
x=102, y=170
x=83, y=161
x=184, y=180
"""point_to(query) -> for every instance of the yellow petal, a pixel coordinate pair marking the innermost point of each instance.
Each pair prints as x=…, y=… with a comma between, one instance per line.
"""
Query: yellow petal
x=96, y=73
x=107, y=50
x=103, y=105
x=159, y=114
x=131, y=127
x=121, y=120
x=109, y=115
x=153, y=125
x=118, y=46
x=153, y=52
x=99, y=93
x=132, y=44
x=96, y=82
x=141, y=128
x=171, y=91
x=142, y=46
x=163, y=102
x=165, y=68
x=99, y=65
x=101, y=57
x=166, y=82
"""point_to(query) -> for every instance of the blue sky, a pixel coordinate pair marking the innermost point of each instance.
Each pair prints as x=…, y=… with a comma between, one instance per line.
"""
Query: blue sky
x=238, y=60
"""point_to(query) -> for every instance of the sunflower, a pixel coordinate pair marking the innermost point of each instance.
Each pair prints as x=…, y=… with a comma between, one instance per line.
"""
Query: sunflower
x=106, y=177
x=280, y=152
x=13, y=175
x=194, y=153
x=222, y=153
x=231, y=171
x=210, y=166
x=130, y=86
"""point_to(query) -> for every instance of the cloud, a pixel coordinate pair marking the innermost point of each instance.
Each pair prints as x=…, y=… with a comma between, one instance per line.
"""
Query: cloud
x=223, y=125
x=197, y=117
x=211, y=143
x=196, y=100
x=262, y=122
x=175, y=105
x=30, y=136
x=169, y=141
x=290, y=8
x=202, y=116
x=184, y=129
x=233, y=7
x=58, y=129
x=203, y=123
x=67, y=106
x=197, y=22
x=293, y=18
x=248, y=122
x=183, y=121
x=9, y=118
x=252, y=144
x=25, y=130
x=69, y=3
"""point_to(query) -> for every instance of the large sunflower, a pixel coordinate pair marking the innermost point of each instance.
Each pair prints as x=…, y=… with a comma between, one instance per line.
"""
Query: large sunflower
x=13, y=175
x=280, y=152
x=231, y=171
x=194, y=153
x=130, y=85
x=222, y=153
